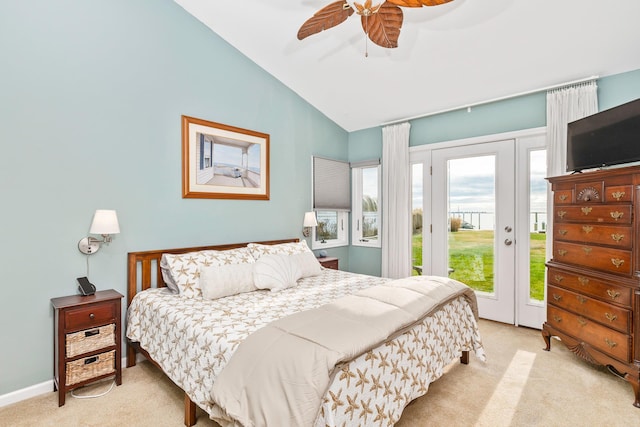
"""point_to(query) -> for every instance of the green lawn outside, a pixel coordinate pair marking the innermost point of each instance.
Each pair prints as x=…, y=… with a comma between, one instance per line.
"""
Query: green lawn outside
x=471, y=257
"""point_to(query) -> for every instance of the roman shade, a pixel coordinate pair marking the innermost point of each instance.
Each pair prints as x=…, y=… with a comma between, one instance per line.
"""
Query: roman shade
x=331, y=185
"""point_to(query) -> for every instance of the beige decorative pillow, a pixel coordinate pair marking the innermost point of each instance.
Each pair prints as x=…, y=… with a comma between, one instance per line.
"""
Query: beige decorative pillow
x=258, y=249
x=275, y=272
x=225, y=280
x=299, y=251
x=185, y=268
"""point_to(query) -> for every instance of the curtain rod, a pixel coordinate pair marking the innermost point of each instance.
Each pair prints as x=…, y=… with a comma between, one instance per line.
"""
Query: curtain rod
x=489, y=101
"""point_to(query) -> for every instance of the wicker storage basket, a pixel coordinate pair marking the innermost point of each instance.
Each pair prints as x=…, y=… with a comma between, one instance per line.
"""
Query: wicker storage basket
x=90, y=367
x=90, y=339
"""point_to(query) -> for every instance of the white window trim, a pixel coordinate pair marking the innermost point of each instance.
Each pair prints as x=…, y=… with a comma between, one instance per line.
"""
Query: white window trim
x=343, y=233
x=356, y=207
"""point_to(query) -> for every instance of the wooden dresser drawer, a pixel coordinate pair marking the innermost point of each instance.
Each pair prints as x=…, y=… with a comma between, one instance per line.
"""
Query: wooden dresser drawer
x=590, y=192
x=89, y=315
x=621, y=193
x=607, y=340
x=611, y=235
x=608, y=214
x=606, y=291
x=563, y=197
x=609, y=315
x=611, y=260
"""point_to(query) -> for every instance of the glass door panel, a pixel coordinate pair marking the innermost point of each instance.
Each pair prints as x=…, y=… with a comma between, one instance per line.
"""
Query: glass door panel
x=538, y=223
x=471, y=214
x=417, y=219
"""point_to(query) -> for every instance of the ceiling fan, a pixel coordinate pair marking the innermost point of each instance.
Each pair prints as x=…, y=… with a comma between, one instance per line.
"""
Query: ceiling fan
x=381, y=22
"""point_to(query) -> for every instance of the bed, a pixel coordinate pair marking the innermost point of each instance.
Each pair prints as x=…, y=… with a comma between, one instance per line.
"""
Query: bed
x=192, y=339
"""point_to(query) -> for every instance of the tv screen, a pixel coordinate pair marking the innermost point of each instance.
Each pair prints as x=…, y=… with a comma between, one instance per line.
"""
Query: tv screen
x=610, y=137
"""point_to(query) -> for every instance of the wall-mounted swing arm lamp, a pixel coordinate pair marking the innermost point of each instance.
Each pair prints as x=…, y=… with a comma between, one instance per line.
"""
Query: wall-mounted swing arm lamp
x=309, y=222
x=105, y=222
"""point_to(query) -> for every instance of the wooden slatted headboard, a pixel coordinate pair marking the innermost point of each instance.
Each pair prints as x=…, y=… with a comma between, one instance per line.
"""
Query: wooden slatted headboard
x=147, y=261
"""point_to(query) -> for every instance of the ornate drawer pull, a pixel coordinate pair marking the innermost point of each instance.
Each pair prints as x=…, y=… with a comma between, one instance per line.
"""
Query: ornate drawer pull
x=611, y=344
x=582, y=321
x=562, y=232
x=617, y=237
x=610, y=317
x=586, y=210
x=618, y=195
x=558, y=278
x=557, y=297
x=587, y=229
x=617, y=215
x=617, y=262
x=563, y=252
x=587, y=250
x=583, y=280
x=581, y=299
x=563, y=197
x=557, y=318
x=561, y=214
x=613, y=294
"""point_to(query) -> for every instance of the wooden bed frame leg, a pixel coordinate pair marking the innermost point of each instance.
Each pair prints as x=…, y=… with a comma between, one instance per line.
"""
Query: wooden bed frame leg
x=189, y=411
x=131, y=356
x=464, y=359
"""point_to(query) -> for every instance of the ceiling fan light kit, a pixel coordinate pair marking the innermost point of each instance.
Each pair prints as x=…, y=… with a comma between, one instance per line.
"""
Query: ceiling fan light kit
x=381, y=21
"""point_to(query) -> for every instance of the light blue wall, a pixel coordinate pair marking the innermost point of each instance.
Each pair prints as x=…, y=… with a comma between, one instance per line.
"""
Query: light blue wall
x=519, y=113
x=91, y=94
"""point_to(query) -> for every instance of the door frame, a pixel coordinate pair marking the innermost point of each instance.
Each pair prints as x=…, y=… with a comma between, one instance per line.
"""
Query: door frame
x=422, y=154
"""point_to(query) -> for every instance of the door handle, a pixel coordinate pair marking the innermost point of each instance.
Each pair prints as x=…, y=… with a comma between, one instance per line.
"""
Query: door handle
x=508, y=242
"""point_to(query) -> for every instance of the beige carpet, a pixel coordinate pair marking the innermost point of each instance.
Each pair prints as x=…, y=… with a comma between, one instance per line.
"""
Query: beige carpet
x=520, y=385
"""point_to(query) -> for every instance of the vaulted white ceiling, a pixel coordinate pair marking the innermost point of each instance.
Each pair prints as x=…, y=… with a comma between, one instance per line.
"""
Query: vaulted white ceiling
x=449, y=56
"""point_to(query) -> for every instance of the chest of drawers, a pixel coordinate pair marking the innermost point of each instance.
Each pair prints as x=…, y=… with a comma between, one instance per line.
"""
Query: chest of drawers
x=593, y=282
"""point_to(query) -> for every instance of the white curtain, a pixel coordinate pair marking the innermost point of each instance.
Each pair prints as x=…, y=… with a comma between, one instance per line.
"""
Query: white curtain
x=396, y=202
x=564, y=105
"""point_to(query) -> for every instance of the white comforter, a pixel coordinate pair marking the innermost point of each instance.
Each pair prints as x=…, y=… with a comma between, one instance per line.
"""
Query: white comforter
x=192, y=340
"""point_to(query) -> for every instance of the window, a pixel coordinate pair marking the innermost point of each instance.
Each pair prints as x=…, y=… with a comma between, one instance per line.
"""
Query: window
x=366, y=203
x=332, y=230
x=332, y=203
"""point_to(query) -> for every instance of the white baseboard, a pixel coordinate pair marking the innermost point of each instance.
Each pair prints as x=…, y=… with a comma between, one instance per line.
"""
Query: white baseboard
x=42, y=388
x=26, y=393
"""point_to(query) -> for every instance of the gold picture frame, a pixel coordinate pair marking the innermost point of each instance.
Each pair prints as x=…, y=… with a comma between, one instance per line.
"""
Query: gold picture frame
x=223, y=162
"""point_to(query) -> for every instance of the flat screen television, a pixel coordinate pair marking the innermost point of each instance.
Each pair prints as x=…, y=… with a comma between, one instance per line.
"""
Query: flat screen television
x=610, y=137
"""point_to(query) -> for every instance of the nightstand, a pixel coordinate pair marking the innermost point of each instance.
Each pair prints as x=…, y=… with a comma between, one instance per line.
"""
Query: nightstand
x=86, y=340
x=329, y=262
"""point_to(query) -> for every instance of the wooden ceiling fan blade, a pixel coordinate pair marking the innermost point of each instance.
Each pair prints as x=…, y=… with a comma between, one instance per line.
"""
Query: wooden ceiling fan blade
x=383, y=28
x=418, y=3
x=327, y=17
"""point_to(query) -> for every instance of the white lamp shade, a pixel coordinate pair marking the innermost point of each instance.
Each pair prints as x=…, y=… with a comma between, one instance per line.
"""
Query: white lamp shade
x=105, y=222
x=309, y=219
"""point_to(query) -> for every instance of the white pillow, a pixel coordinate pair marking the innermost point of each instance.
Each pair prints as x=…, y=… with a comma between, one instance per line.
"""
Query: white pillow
x=308, y=263
x=225, y=280
x=275, y=272
x=184, y=269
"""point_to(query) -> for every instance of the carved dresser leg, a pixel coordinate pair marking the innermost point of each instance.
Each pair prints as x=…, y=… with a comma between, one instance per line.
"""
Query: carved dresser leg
x=547, y=339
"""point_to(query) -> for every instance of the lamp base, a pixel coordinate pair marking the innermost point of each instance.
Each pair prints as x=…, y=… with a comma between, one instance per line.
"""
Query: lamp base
x=88, y=247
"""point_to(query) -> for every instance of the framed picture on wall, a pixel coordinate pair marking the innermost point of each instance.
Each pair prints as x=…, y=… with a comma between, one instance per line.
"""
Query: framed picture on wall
x=223, y=162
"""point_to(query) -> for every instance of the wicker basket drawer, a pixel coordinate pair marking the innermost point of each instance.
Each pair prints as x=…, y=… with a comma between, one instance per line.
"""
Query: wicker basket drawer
x=90, y=367
x=90, y=340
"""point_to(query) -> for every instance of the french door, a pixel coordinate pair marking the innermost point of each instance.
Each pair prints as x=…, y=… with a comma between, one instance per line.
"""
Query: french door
x=486, y=206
